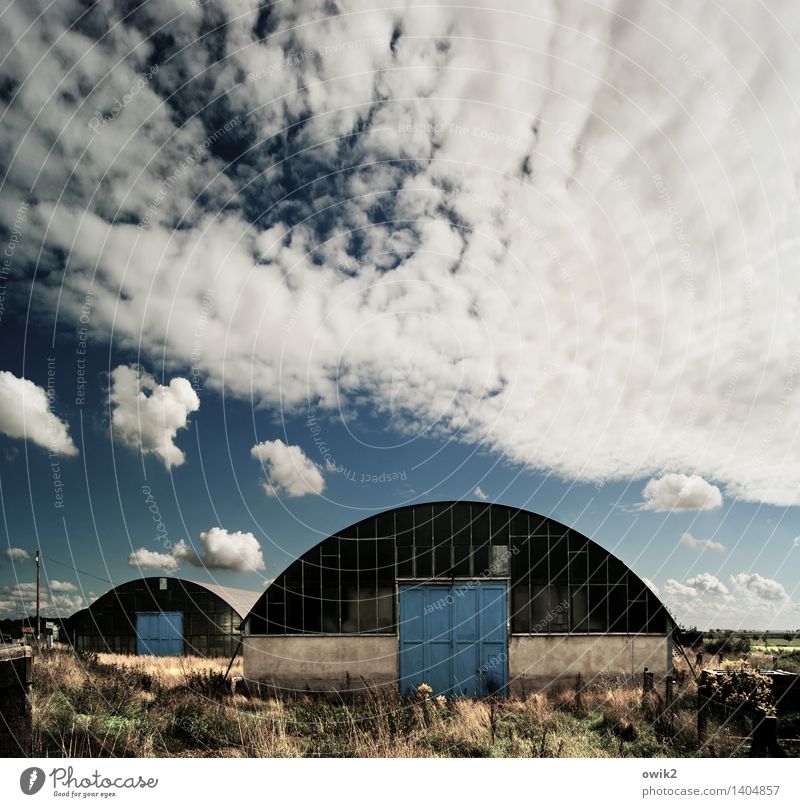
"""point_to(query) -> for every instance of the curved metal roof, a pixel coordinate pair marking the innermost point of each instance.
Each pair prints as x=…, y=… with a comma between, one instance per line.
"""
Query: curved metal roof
x=241, y=600
x=353, y=529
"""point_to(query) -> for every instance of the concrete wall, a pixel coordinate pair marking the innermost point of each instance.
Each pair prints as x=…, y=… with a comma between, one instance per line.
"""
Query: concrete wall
x=16, y=728
x=321, y=663
x=539, y=662
x=329, y=663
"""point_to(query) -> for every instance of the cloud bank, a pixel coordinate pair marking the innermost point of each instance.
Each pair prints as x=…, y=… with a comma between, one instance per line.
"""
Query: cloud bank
x=220, y=550
x=572, y=230
x=747, y=601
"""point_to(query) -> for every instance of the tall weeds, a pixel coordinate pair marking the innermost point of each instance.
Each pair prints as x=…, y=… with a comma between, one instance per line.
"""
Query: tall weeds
x=132, y=706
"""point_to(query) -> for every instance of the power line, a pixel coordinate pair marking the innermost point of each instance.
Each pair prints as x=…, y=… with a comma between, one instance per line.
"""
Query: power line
x=79, y=571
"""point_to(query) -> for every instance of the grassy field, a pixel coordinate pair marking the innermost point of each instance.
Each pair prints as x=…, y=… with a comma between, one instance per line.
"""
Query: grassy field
x=131, y=706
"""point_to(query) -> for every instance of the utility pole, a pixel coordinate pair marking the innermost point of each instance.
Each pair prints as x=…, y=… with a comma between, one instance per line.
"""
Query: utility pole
x=38, y=614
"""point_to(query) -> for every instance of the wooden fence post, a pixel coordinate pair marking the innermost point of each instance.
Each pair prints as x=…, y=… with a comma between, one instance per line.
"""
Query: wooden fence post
x=16, y=725
x=702, y=709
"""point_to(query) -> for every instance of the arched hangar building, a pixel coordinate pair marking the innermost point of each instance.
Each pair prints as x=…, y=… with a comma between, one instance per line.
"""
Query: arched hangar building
x=467, y=597
x=163, y=616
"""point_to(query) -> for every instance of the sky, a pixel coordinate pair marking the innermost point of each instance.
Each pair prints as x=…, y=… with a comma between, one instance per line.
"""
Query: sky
x=269, y=268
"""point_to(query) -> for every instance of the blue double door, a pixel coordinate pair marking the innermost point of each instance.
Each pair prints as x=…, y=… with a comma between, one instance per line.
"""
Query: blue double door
x=159, y=633
x=454, y=638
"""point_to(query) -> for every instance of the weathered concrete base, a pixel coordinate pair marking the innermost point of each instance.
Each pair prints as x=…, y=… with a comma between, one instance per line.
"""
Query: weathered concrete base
x=537, y=663
x=321, y=663
x=16, y=727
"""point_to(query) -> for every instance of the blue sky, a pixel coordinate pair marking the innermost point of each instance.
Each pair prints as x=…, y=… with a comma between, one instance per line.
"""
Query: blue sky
x=544, y=256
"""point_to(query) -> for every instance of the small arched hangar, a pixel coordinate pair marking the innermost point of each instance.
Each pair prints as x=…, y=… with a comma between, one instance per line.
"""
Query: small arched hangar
x=467, y=597
x=163, y=616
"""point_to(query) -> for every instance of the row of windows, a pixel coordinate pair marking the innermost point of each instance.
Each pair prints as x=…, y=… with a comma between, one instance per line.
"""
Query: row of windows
x=201, y=645
x=554, y=608
x=120, y=622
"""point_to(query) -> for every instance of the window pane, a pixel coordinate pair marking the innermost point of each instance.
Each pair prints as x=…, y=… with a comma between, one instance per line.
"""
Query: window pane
x=519, y=523
x=294, y=610
x=385, y=606
x=499, y=561
x=579, y=609
x=559, y=609
x=462, y=554
x=540, y=608
x=442, y=526
x=618, y=609
x=500, y=525
x=350, y=610
x=423, y=526
x=617, y=572
x=461, y=524
x=367, y=559
x=348, y=549
x=598, y=607
x=656, y=617
x=540, y=571
x=424, y=563
x=386, y=525
x=480, y=525
x=385, y=562
x=598, y=567
x=520, y=609
x=330, y=609
x=444, y=564
x=367, y=610
x=480, y=559
x=276, y=622
x=405, y=566
x=578, y=567
x=404, y=525
x=558, y=559
x=312, y=607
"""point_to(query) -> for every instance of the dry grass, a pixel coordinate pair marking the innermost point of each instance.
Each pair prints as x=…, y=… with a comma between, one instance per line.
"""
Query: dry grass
x=133, y=706
x=171, y=670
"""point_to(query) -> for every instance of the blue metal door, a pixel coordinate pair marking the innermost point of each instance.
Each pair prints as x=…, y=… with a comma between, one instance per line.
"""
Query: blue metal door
x=454, y=638
x=159, y=633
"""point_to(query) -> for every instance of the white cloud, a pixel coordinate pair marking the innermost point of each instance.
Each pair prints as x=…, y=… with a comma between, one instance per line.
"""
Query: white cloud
x=25, y=413
x=796, y=541
x=16, y=554
x=233, y=551
x=621, y=277
x=148, y=559
x=674, y=589
x=751, y=601
x=58, y=598
x=61, y=586
x=762, y=587
x=236, y=551
x=289, y=471
x=147, y=416
x=681, y=492
x=267, y=582
x=479, y=493
x=688, y=540
x=706, y=583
